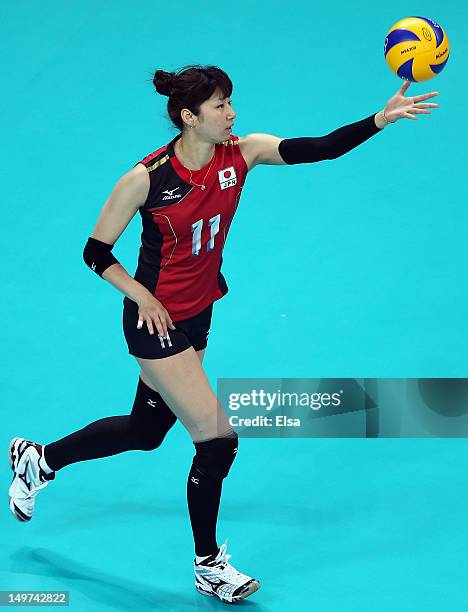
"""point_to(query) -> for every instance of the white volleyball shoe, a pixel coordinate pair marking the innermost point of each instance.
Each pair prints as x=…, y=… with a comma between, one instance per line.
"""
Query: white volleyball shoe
x=28, y=477
x=214, y=576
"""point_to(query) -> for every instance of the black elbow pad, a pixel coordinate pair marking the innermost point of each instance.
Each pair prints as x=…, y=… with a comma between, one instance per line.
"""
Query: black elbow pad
x=97, y=255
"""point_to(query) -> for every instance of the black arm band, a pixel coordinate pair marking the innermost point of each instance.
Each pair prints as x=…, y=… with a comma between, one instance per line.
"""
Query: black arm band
x=98, y=256
x=331, y=146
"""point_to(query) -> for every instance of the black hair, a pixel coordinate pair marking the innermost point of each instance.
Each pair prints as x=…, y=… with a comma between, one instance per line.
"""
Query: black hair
x=189, y=88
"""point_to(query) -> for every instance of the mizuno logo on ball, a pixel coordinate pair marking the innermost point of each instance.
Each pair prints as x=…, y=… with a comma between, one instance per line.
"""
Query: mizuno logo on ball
x=427, y=35
x=408, y=49
x=441, y=54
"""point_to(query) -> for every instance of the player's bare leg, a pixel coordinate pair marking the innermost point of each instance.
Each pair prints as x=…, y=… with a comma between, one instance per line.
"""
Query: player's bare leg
x=184, y=386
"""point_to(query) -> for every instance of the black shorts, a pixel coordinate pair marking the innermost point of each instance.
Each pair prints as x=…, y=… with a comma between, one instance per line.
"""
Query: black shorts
x=189, y=332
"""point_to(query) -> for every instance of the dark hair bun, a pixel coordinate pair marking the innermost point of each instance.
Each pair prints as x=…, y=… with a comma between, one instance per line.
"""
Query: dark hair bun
x=164, y=82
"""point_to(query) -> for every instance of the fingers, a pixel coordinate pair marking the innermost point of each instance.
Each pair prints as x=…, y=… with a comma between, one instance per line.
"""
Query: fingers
x=405, y=86
x=158, y=322
x=161, y=320
x=410, y=116
x=165, y=322
x=421, y=97
x=161, y=325
x=419, y=109
x=425, y=96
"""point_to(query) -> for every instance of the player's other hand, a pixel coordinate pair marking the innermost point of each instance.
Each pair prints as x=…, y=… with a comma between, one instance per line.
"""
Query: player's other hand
x=153, y=312
x=399, y=107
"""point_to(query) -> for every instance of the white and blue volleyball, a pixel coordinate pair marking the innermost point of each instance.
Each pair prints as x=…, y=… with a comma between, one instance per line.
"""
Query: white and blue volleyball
x=416, y=49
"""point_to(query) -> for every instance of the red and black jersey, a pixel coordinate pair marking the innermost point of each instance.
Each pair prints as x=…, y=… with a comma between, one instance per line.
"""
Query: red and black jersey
x=185, y=227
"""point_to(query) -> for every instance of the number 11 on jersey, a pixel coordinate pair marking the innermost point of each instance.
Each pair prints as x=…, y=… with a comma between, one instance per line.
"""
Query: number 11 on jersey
x=197, y=232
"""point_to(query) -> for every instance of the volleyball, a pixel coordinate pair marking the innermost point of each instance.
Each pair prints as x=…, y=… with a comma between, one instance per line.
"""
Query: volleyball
x=416, y=49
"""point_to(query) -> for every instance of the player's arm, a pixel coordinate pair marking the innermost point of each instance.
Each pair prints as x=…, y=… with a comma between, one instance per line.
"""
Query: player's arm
x=267, y=149
x=271, y=150
x=129, y=193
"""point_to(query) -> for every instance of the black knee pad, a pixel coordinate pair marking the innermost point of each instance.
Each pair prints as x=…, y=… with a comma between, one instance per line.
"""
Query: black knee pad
x=151, y=418
x=214, y=458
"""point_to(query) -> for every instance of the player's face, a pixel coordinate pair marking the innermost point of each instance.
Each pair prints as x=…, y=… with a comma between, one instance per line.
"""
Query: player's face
x=216, y=116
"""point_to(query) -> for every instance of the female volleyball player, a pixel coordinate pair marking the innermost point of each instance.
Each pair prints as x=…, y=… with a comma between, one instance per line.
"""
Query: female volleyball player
x=186, y=193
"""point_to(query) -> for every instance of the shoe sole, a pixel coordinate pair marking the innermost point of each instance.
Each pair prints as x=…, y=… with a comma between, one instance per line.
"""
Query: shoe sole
x=20, y=516
x=253, y=587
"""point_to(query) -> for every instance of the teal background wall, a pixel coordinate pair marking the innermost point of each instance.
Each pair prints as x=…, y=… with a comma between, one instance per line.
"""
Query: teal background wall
x=348, y=268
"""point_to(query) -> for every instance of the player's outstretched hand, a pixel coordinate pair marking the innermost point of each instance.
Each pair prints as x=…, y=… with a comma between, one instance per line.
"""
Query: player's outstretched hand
x=152, y=311
x=399, y=107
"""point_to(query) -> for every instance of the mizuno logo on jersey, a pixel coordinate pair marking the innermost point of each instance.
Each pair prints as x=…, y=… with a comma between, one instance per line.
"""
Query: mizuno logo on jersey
x=170, y=194
x=227, y=177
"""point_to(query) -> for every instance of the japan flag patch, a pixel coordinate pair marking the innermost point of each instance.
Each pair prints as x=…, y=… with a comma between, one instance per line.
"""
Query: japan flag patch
x=227, y=177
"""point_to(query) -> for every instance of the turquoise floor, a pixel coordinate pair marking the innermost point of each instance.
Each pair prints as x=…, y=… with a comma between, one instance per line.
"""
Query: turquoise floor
x=347, y=268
